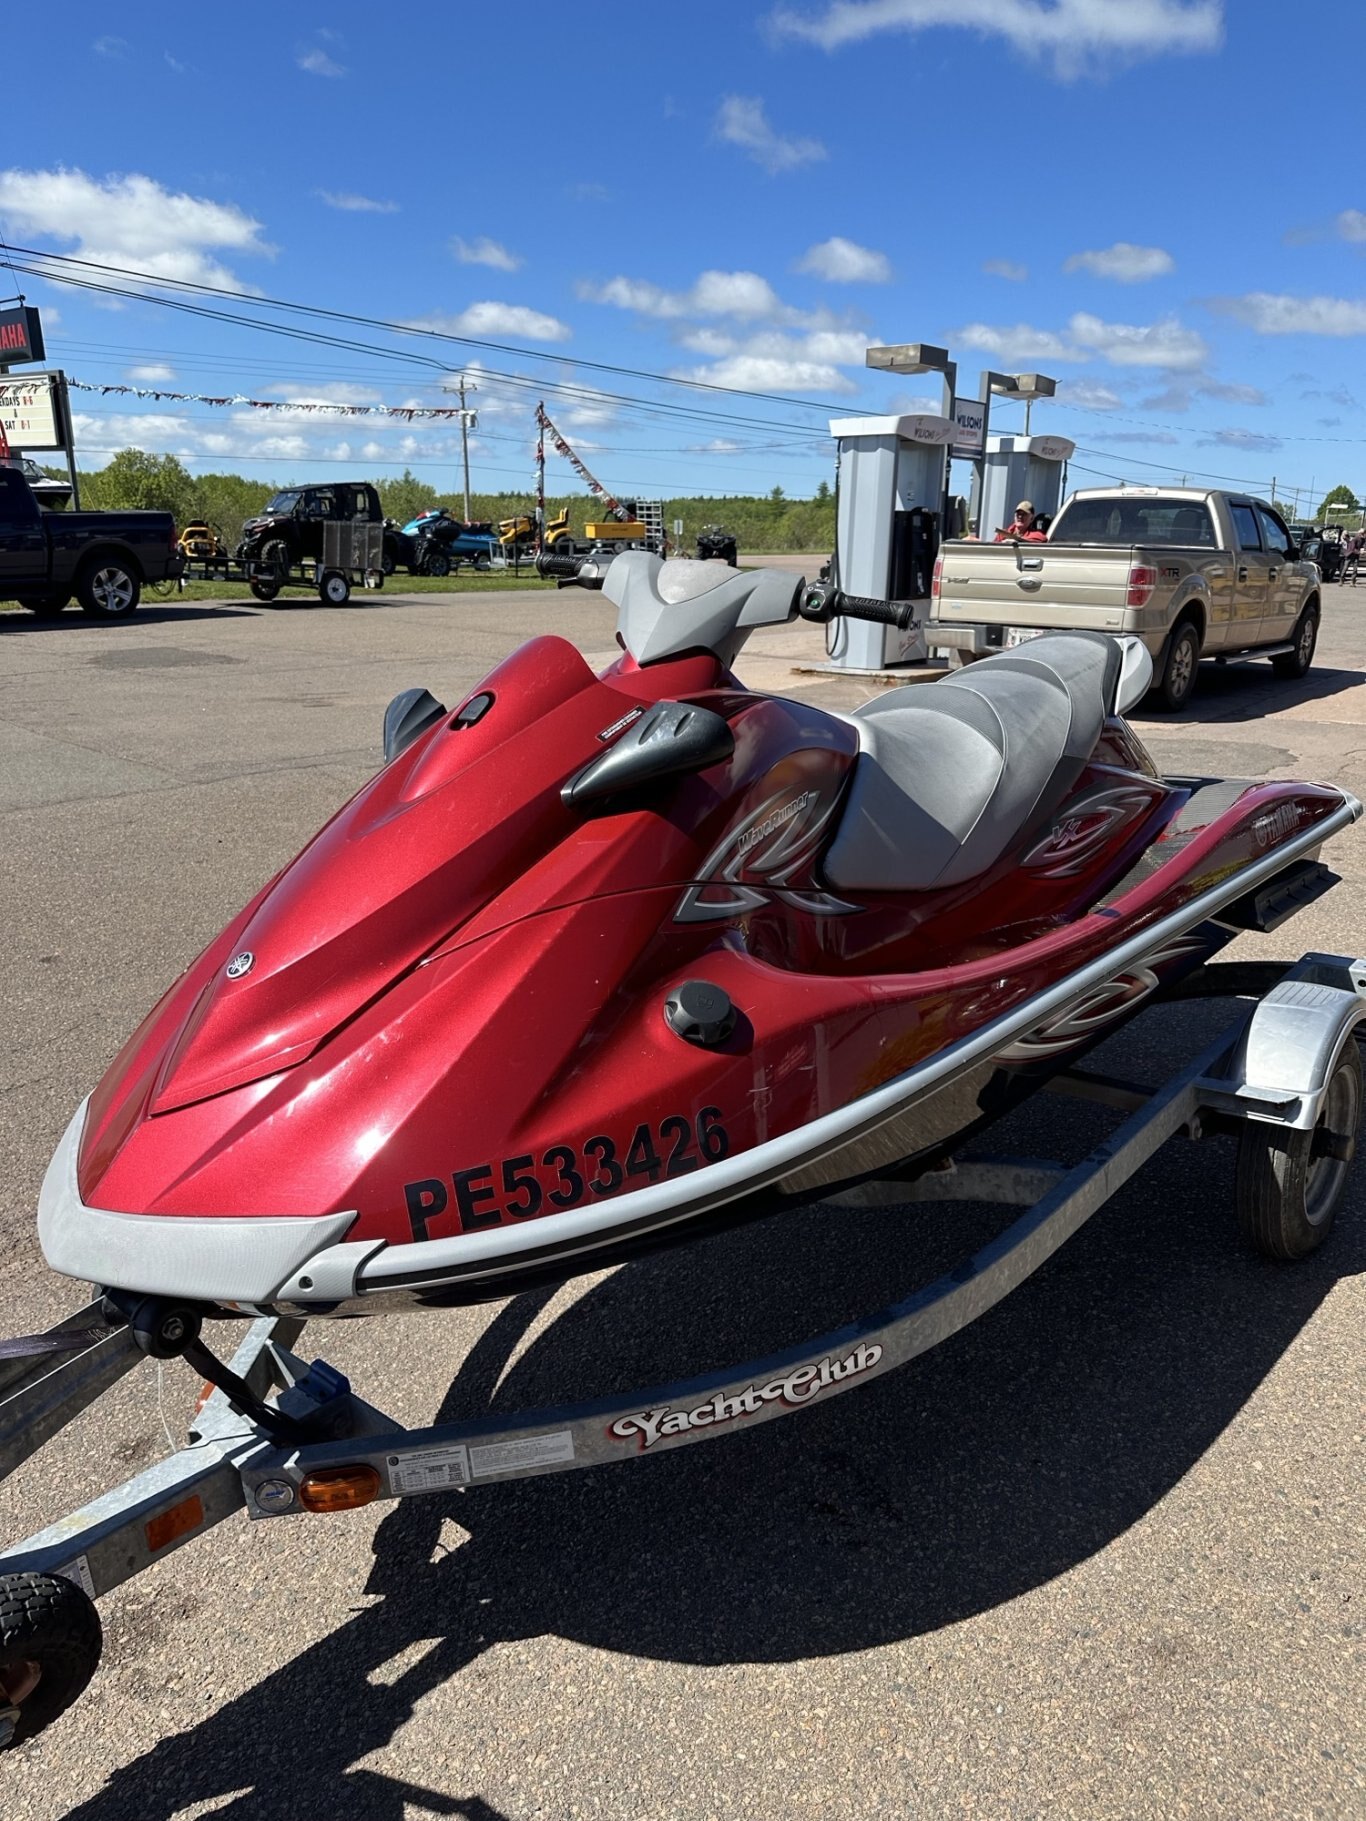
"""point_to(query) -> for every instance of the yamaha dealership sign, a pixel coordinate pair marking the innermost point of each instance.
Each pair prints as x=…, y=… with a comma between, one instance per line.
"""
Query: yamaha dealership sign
x=21, y=335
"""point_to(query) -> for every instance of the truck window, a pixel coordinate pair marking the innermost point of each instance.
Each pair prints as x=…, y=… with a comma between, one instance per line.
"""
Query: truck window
x=1274, y=534
x=1134, y=521
x=1245, y=527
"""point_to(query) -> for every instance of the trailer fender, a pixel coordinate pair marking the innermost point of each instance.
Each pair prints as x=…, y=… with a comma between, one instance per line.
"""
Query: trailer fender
x=1281, y=1067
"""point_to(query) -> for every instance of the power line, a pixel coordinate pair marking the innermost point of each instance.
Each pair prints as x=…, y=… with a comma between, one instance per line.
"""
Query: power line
x=198, y=288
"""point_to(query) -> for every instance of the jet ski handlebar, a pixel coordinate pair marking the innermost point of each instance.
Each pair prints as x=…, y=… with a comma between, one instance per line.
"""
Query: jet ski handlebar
x=547, y=563
x=823, y=601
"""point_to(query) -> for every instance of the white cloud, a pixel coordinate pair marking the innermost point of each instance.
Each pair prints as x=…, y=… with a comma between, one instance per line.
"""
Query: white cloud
x=153, y=371
x=1016, y=343
x=110, y=47
x=497, y=319
x=1087, y=396
x=1005, y=268
x=1166, y=344
x=1136, y=436
x=318, y=63
x=774, y=362
x=1272, y=314
x=357, y=205
x=485, y=252
x=845, y=262
x=1351, y=225
x=131, y=221
x=741, y=121
x=719, y=445
x=1251, y=442
x=1160, y=344
x=1124, y=262
x=744, y=297
x=1077, y=35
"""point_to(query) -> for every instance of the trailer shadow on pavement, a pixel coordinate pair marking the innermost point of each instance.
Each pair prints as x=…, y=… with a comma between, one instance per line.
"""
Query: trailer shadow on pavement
x=986, y=1468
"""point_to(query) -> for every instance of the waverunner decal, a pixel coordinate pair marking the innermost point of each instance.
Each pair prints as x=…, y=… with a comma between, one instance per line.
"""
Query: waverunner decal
x=789, y=833
x=796, y=1387
x=514, y=1188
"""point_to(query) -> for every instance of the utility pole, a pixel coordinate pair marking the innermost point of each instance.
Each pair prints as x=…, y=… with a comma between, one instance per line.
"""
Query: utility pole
x=468, y=420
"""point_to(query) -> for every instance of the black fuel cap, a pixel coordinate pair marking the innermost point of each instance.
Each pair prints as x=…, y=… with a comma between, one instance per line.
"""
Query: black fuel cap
x=700, y=1012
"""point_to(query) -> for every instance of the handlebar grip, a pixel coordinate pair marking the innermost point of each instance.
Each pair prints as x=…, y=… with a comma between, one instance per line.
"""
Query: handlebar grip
x=901, y=614
x=547, y=563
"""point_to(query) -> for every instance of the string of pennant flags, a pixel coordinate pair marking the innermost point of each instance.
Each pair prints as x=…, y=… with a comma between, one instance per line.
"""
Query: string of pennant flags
x=408, y=413
x=561, y=447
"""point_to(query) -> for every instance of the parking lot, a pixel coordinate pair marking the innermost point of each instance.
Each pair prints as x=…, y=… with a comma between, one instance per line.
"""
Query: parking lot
x=1102, y=1555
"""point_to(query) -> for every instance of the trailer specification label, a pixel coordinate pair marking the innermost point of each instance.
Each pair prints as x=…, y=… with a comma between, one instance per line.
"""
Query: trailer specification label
x=429, y=1469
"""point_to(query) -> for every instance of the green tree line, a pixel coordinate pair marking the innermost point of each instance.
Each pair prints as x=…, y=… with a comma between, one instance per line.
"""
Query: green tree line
x=135, y=480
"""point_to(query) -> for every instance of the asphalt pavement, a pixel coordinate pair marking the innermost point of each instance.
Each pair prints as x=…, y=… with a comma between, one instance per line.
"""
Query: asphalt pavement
x=1102, y=1555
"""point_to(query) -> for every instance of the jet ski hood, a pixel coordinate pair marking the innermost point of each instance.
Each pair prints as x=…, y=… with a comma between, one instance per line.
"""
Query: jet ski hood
x=395, y=875
x=461, y=834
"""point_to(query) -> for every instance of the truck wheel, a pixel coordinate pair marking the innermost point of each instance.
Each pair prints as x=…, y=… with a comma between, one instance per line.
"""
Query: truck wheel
x=50, y=1643
x=1294, y=664
x=1173, y=688
x=334, y=588
x=108, y=589
x=46, y=606
x=1288, y=1184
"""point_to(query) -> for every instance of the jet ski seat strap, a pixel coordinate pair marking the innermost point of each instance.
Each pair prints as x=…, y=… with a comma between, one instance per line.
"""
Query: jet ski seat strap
x=950, y=775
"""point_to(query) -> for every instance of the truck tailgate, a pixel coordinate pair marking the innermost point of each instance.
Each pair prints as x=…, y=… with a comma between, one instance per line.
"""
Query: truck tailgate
x=1033, y=585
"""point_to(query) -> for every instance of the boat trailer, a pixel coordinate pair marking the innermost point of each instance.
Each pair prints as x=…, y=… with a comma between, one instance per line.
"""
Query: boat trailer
x=280, y=1437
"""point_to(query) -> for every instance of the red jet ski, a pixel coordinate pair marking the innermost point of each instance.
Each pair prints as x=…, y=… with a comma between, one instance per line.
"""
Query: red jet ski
x=597, y=960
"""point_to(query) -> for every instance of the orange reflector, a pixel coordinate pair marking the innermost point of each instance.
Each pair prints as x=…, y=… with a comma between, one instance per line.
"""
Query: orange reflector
x=338, y=1488
x=178, y=1521
x=206, y=1391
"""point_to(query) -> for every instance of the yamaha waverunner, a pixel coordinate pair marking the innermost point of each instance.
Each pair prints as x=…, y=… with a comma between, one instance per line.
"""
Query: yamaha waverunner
x=597, y=961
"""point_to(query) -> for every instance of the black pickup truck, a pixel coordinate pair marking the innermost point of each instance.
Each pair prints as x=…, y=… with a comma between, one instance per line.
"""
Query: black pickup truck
x=103, y=558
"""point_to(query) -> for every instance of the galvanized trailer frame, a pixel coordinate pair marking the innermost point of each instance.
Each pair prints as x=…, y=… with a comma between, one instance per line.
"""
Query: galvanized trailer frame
x=1272, y=1067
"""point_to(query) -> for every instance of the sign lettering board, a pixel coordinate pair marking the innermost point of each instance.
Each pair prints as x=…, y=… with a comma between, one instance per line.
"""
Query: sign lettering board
x=969, y=428
x=30, y=413
x=21, y=335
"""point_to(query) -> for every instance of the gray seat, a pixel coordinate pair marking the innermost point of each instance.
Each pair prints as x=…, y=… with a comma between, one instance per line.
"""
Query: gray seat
x=950, y=774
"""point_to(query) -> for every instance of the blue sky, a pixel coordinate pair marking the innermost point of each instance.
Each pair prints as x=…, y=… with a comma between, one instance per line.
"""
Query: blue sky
x=1162, y=203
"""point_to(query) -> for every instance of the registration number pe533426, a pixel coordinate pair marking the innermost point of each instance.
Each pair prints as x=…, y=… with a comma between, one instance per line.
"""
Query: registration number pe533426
x=562, y=1176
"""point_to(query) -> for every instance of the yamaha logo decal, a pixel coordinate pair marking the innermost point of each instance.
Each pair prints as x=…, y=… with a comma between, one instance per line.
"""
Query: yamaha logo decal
x=240, y=964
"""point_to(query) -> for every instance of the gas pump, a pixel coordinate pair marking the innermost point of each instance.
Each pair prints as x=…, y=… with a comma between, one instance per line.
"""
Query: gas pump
x=1019, y=468
x=892, y=473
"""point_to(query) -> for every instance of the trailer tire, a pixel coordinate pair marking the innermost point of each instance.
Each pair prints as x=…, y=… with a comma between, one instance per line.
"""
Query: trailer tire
x=264, y=591
x=1180, y=661
x=50, y=1625
x=334, y=588
x=1288, y=1184
x=1295, y=664
x=46, y=606
x=108, y=588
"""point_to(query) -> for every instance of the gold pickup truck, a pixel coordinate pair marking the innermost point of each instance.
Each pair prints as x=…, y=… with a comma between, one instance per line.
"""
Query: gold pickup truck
x=1194, y=574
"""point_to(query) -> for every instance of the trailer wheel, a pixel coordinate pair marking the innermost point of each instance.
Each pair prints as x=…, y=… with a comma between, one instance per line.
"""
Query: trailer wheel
x=264, y=591
x=334, y=588
x=50, y=1642
x=1289, y=1184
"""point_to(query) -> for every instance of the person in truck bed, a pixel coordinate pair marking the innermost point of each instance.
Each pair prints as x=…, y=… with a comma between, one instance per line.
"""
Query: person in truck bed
x=1021, y=530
